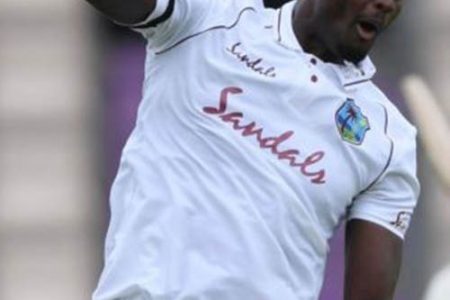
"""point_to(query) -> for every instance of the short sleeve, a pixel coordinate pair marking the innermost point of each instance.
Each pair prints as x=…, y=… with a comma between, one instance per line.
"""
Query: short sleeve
x=391, y=200
x=173, y=21
x=171, y=16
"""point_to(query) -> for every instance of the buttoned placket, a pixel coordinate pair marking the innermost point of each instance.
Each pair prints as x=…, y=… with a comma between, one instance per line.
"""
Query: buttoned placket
x=348, y=74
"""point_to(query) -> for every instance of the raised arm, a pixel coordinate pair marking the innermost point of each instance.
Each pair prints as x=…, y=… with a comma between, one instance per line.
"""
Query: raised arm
x=125, y=11
x=373, y=259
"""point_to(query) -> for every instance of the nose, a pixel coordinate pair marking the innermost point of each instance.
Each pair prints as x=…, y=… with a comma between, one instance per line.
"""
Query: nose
x=385, y=6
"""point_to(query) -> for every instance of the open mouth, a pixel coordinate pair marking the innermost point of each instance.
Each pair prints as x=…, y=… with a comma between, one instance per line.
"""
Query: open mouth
x=367, y=29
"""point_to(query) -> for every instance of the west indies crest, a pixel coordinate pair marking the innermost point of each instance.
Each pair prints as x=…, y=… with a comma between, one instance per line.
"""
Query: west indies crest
x=351, y=123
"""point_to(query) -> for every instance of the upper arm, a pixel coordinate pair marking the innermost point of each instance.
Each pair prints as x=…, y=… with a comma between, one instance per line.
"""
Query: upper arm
x=391, y=199
x=126, y=12
x=165, y=22
x=275, y=3
x=373, y=259
x=379, y=218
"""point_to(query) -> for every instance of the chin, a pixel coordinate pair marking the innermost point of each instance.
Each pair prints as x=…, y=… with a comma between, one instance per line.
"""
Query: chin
x=354, y=54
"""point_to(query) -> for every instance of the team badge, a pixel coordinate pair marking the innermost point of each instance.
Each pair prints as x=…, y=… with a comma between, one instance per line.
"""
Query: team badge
x=351, y=123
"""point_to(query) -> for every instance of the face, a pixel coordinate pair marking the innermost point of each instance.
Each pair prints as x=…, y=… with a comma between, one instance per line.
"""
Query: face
x=349, y=28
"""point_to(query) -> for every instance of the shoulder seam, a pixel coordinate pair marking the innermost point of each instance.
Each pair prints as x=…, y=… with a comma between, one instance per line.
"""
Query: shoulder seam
x=226, y=27
x=391, y=153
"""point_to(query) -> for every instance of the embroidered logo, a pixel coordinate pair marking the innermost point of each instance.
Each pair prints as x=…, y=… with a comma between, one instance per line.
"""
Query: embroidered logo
x=254, y=64
x=275, y=144
x=402, y=222
x=351, y=123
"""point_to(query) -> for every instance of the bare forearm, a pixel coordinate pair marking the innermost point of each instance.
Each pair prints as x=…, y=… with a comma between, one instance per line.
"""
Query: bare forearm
x=125, y=11
x=373, y=262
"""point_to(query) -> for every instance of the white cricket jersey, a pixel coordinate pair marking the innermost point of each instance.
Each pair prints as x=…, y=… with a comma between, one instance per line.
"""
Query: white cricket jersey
x=246, y=155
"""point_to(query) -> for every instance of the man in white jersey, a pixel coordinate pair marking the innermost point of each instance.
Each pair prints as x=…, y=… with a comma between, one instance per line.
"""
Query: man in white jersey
x=258, y=133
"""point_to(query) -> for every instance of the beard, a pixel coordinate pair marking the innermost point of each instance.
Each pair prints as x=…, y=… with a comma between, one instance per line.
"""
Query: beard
x=353, y=54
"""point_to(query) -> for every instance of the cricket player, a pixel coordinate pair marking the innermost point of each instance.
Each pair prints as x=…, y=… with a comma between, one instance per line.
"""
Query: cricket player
x=259, y=132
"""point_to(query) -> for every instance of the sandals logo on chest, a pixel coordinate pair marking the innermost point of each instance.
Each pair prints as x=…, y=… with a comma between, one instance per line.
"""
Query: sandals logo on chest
x=272, y=143
x=351, y=123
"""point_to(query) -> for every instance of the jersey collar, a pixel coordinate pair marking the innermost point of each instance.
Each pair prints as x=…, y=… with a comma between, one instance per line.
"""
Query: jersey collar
x=348, y=73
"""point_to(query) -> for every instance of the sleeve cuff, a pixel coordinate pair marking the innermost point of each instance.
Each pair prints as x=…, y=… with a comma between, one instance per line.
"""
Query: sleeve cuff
x=162, y=12
x=367, y=217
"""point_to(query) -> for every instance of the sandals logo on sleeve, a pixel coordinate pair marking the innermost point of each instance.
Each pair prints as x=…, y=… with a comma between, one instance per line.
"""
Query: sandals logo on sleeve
x=351, y=123
x=402, y=221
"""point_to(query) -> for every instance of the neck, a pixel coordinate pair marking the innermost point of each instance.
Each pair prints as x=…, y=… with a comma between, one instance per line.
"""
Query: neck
x=308, y=33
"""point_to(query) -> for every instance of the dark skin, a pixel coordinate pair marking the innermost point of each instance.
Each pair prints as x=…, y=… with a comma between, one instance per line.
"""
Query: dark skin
x=335, y=31
x=274, y=3
x=372, y=264
x=338, y=30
